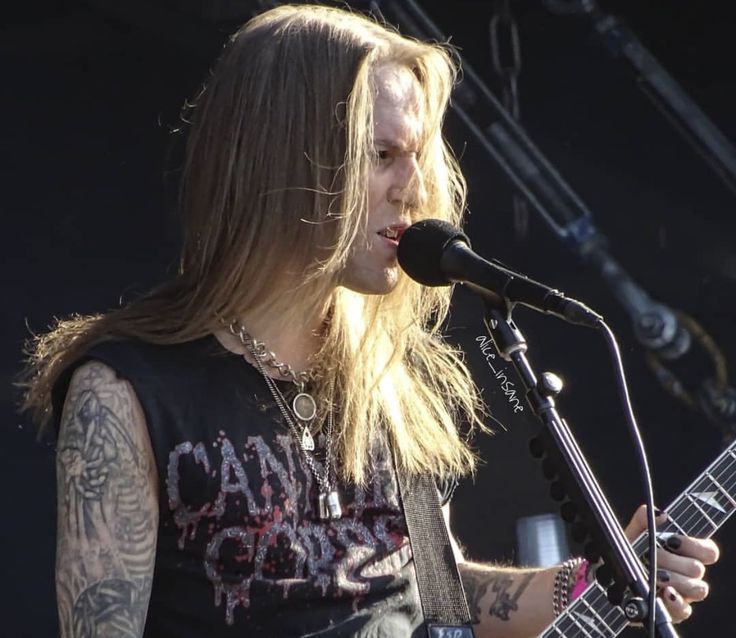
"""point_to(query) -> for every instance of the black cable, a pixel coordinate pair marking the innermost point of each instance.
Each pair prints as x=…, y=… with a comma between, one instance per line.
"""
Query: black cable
x=644, y=464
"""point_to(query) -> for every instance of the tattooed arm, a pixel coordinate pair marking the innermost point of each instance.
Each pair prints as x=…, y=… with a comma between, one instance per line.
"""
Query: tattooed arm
x=508, y=602
x=107, y=508
x=505, y=602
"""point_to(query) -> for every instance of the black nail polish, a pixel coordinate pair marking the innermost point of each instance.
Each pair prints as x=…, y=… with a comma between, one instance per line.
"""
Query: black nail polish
x=663, y=575
x=673, y=596
x=673, y=542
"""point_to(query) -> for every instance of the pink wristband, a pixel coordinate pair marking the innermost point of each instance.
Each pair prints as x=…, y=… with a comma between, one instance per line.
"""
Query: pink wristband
x=581, y=582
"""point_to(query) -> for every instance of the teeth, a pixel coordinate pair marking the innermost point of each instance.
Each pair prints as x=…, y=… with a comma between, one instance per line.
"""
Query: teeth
x=391, y=233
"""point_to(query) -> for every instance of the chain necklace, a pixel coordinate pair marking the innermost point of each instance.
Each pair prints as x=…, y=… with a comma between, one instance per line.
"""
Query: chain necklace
x=304, y=408
x=303, y=405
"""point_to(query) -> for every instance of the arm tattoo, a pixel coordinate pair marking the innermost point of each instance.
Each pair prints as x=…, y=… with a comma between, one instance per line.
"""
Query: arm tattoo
x=505, y=587
x=106, y=510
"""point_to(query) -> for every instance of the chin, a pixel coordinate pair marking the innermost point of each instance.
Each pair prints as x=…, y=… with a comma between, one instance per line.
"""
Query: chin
x=381, y=284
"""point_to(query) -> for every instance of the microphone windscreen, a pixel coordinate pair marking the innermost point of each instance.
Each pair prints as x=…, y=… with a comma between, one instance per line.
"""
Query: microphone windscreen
x=421, y=247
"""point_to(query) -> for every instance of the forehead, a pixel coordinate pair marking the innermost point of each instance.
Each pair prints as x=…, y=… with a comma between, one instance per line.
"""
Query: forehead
x=397, y=108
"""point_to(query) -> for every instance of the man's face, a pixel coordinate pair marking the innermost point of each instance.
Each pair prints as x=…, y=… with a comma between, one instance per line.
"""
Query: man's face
x=394, y=183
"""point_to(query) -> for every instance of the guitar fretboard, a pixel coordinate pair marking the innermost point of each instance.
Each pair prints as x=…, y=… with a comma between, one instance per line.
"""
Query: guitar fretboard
x=699, y=511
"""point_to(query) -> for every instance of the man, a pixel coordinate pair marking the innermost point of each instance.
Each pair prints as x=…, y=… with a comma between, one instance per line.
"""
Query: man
x=228, y=444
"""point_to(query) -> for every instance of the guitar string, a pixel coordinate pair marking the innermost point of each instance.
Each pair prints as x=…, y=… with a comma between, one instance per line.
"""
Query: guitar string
x=723, y=478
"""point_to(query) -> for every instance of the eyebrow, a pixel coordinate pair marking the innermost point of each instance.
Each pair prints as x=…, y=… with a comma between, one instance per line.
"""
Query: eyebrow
x=392, y=145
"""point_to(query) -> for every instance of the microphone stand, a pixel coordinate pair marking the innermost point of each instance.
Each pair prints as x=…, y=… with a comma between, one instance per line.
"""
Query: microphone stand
x=573, y=479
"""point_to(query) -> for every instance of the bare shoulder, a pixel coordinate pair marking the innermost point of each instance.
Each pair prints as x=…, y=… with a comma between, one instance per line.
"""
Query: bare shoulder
x=95, y=383
x=107, y=506
x=101, y=404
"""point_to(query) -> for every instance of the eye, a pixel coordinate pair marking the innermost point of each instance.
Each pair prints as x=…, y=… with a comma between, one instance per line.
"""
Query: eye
x=383, y=157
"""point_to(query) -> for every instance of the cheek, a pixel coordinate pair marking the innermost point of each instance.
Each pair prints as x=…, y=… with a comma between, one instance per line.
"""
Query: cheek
x=377, y=187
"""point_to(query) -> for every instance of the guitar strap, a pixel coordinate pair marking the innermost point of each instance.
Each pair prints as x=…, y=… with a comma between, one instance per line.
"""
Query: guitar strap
x=441, y=591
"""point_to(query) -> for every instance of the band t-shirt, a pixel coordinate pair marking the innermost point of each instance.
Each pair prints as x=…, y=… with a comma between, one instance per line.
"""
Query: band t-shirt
x=240, y=548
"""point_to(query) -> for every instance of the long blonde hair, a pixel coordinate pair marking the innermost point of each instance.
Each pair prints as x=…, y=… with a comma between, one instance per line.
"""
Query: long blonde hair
x=277, y=158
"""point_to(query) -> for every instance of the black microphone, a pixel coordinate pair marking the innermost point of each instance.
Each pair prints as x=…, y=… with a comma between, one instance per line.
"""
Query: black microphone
x=436, y=253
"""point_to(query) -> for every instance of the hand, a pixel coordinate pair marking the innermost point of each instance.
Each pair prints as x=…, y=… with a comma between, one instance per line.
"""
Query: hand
x=680, y=567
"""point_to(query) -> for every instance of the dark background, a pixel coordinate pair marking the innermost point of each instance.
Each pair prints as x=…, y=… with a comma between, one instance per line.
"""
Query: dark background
x=91, y=93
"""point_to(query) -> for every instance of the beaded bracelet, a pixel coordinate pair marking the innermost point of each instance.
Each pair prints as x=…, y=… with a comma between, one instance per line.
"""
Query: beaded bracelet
x=564, y=583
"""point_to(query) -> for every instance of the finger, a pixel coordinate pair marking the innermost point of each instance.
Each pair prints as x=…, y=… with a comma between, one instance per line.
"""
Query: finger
x=683, y=565
x=677, y=607
x=690, y=589
x=703, y=549
x=638, y=522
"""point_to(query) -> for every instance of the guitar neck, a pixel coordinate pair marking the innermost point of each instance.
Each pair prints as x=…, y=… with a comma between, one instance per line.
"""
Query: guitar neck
x=699, y=511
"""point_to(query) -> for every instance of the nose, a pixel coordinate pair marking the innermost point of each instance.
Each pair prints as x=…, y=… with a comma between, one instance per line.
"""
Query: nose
x=408, y=189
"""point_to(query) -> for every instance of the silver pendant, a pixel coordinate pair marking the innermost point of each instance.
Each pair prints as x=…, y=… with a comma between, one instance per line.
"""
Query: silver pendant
x=307, y=440
x=333, y=505
x=328, y=506
x=304, y=406
x=322, y=511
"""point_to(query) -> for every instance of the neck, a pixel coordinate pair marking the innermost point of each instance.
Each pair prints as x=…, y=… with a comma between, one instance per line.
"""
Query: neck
x=293, y=347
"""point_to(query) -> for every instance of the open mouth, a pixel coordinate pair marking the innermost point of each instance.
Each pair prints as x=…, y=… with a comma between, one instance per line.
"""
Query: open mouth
x=393, y=233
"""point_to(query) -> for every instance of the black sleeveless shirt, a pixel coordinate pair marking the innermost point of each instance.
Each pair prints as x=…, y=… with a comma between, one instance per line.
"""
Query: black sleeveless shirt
x=240, y=549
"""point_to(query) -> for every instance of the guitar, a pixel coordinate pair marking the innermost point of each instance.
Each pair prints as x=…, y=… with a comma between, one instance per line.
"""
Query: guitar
x=699, y=511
